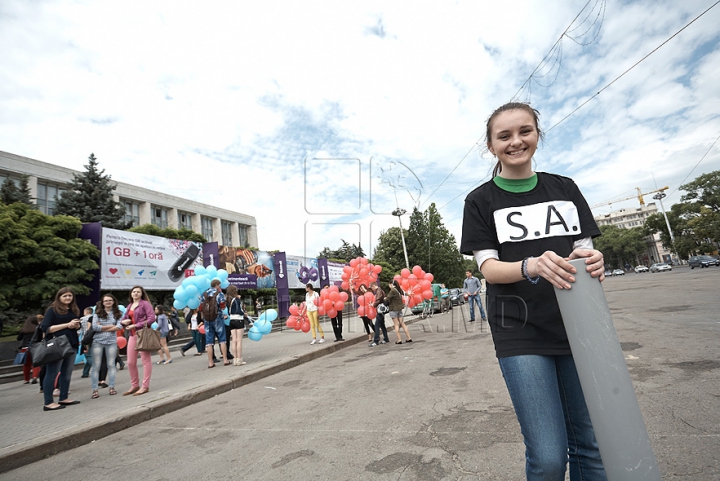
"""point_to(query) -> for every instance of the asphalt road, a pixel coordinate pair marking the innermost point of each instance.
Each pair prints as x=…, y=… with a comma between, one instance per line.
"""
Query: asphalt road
x=434, y=409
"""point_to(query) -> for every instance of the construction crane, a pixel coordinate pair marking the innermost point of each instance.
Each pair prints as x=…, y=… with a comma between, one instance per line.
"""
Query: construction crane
x=639, y=196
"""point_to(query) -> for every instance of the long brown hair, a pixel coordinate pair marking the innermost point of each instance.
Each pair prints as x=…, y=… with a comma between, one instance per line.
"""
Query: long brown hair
x=231, y=291
x=504, y=108
x=144, y=296
x=31, y=323
x=59, y=307
x=100, y=308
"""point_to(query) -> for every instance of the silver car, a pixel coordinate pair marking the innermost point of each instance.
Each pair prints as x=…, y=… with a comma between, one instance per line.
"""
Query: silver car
x=660, y=267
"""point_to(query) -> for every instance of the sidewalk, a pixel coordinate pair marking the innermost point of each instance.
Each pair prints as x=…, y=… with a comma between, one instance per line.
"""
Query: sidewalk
x=30, y=434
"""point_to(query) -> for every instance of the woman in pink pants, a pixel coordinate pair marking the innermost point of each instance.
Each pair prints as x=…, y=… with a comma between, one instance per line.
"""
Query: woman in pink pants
x=139, y=313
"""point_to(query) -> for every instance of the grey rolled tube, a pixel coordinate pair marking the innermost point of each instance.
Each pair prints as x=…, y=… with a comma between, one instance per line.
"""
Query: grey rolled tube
x=614, y=410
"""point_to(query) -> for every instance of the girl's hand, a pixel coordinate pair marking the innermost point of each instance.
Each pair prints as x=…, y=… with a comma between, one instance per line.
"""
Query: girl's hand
x=594, y=261
x=558, y=271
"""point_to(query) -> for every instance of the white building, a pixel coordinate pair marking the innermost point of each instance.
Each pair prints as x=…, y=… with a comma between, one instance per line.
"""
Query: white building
x=47, y=182
x=629, y=218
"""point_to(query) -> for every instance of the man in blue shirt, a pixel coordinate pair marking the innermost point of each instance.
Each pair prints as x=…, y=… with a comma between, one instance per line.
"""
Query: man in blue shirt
x=471, y=289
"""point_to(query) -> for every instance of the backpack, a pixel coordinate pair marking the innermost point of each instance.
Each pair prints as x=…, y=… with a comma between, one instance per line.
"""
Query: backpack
x=210, y=307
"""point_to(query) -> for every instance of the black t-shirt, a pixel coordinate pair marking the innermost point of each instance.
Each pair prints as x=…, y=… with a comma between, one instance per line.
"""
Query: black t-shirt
x=524, y=317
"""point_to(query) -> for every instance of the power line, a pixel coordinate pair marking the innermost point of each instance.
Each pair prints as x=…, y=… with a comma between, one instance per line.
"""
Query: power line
x=698, y=163
x=632, y=67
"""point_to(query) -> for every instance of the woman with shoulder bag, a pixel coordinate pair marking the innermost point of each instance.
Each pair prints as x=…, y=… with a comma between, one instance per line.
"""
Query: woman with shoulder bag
x=25, y=336
x=395, y=304
x=237, y=325
x=61, y=319
x=138, y=315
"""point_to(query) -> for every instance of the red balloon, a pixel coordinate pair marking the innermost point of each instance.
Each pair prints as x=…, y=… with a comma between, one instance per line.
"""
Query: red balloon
x=417, y=298
x=202, y=329
x=425, y=284
x=334, y=296
x=121, y=342
x=332, y=313
x=345, y=286
x=293, y=309
x=327, y=304
x=371, y=312
x=292, y=320
x=354, y=263
x=417, y=270
x=405, y=273
x=369, y=297
x=321, y=311
x=305, y=327
x=427, y=294
x=377, y=269
x=363, y=272
x=361, y=300
x=412, y=279
x=429, y=277
x=347, y=270
x=361, y=311
x=339, y=306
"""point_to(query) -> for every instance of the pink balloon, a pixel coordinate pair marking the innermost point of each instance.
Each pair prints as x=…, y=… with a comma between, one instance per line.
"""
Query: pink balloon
x=327, y=304
x=298, y=325
x=332, y=313
x=361, y=300
x=427, y=294
x=334, y=295
x=354, y=263
x=339, y=305
x=202, y=329
x=345, y=286
x=369, y=297
x=293, y=309
x=361, y=311
x=412, y=279
x=405, y=273
x=333, y=288
x=344, y=296
x=429, y=277
x=371, y=312
x=121, y=342
x=321, y=311
x=347, y=270
x=363, y=272
x=417, y=298
x=377, y=269
x=305, y=327
x=363, y=260
x=417, y=270
x=291, y=322
x=425, y=284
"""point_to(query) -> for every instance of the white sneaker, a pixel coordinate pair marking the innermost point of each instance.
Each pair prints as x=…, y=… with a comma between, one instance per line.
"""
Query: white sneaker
x=313, y=342
x=322, y=339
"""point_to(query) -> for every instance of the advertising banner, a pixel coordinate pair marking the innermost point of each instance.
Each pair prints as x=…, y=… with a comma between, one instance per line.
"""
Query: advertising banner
x=335, y=271
x=156, y=263
x=301, y=271
x=281, y=279
x=248, y=269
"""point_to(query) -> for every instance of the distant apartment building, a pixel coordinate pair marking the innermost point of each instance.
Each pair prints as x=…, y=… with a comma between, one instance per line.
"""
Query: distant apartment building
x=629, y=218
x=48, y=182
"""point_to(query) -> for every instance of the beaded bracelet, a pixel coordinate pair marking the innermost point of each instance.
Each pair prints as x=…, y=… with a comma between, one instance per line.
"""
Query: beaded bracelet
x=525, y=274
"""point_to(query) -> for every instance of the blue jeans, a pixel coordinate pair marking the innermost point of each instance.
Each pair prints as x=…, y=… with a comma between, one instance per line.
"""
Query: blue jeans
x=88, y=364
x=476, y=300
x=553, y=417
x=65, y=368
x=380, y=324
x=110, y=353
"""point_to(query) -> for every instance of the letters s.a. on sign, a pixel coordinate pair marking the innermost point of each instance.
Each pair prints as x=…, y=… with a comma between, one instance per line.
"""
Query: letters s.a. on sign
x=538, y=221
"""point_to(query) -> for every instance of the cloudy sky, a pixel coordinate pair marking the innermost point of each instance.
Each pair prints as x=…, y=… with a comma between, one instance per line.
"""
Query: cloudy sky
x=320, y=117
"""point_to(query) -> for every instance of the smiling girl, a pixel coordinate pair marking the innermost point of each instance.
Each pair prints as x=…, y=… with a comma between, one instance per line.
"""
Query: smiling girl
x=522, y=227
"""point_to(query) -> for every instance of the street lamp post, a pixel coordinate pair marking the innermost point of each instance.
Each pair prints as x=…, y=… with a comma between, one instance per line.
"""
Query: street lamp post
x=398, y=213
x=659, y=197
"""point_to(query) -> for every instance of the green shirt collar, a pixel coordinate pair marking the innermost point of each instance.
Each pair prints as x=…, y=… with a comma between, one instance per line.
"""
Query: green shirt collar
x=516, y=186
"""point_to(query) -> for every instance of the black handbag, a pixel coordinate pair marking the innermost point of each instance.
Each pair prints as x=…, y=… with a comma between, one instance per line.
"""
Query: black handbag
x=88, y=337
x=50, y=349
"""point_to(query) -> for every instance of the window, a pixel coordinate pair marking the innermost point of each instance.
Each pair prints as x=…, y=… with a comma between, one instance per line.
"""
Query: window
x=184, y=220
x=226, y=233
x=243, y=235
x=159, y=217
x=206, y=228
x=132, y=212
x=4, y=176
x=47, y=196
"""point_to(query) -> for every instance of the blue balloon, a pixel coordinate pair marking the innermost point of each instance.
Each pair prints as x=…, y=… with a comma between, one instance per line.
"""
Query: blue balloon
x=254, y=336
x=191, y=291
x=261, y=317
x=226, y=321
x=222, y=274
x=225, y=312
x=224, y=284
x=193, y=303
x=199, y=270
x=121, y=307
x=186, y=282
x=178, y=304
x=211, y=271
x=265, y=327
x=271, y=315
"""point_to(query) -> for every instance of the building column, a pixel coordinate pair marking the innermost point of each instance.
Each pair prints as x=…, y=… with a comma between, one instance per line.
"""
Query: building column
x=197, y=224
x=173, y=218
x=145, y=209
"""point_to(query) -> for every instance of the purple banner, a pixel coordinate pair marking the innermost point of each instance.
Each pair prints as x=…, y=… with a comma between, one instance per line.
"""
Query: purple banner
x=281, y=282
x=243, y=281
x=324, y=274
x=93, y=233
x=211, y=256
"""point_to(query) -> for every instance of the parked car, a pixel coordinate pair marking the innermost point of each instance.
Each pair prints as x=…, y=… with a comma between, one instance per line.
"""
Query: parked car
x=660, y=267
x=702, y=261
x=618, y=272
x=456, y=297
x=639, y=269
x=608, y=273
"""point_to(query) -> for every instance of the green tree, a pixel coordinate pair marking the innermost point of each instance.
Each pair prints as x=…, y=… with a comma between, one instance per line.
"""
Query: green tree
x=38, y=255
x=90, y=198
x=621, y=246
x=11, y=193
x=345, y=253
x=431, y=246
x=687, y=240
x=168, y=233
x=390, y=249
